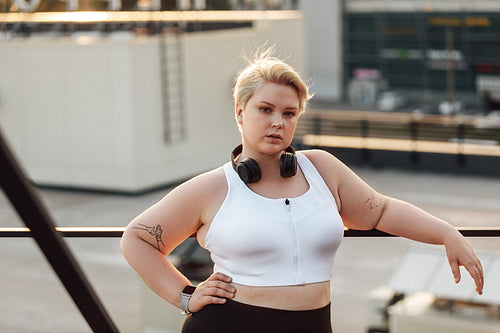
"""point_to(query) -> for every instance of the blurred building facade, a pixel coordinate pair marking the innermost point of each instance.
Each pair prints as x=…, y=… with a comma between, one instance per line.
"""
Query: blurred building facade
x=430, y=50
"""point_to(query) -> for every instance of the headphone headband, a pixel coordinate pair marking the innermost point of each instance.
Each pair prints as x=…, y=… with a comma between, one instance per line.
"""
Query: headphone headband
x=236, y=152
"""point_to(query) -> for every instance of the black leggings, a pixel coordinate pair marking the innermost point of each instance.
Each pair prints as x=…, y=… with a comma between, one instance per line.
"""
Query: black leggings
x=243, y=318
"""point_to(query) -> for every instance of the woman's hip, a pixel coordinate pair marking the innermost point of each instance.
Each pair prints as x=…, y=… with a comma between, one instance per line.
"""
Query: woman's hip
x=239, y=317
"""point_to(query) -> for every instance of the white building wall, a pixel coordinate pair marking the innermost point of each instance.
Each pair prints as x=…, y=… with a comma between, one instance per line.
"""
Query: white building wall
x=90, y=116
x=323, y=21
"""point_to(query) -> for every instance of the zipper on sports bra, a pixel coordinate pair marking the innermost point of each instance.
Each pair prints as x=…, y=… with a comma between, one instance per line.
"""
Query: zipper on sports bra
x=295, y=244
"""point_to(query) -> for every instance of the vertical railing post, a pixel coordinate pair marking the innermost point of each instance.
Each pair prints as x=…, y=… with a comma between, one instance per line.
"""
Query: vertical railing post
x=31, y=210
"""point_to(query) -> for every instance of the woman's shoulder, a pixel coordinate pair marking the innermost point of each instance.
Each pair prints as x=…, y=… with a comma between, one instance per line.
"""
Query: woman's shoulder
x=207, y=183
x=321, y=158
x=325, y=163
x=329, y=166
x=196, y=195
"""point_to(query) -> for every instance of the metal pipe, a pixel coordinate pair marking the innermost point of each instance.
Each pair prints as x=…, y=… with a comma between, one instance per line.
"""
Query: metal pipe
x=110, y=232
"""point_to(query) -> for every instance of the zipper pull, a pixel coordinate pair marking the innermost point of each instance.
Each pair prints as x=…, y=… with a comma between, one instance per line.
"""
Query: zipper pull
x=287, y=205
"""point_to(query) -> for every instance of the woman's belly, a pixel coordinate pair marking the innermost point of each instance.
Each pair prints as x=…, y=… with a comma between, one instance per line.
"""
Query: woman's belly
x=303, y=297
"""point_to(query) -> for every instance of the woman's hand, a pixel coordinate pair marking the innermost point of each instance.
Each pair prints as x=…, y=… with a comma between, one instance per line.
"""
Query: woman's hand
x=460, y=253
x=214, y=290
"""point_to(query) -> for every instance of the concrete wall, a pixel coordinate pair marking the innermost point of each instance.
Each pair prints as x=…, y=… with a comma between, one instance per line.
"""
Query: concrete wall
x=89, y=115
x=323, y=22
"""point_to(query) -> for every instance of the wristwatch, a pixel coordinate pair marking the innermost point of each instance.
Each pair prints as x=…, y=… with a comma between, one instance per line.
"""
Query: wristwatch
x=186, y=294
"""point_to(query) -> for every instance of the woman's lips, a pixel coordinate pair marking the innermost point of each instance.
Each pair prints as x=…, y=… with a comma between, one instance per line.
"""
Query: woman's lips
x=274, y=137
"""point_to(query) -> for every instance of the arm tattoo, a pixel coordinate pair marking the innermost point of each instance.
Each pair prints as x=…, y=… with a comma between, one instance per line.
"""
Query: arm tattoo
x=155, y=231
x=373, y=204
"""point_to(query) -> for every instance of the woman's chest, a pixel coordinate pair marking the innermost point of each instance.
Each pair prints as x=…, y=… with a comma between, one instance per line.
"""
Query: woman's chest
x=255, y=226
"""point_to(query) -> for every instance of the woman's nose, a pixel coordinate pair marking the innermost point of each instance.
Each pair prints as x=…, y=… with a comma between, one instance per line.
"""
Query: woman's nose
x=277, y=121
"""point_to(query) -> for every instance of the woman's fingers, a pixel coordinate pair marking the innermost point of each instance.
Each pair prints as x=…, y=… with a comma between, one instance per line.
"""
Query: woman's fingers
x=219, y=291
x=221, y=285
x=476, y=272
x=455, y=269
x=215, y=290
x=220, y=277
x=472, y=265
x=461, y=253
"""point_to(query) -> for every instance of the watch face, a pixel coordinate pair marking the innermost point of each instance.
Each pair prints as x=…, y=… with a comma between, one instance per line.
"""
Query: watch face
x=189, y=290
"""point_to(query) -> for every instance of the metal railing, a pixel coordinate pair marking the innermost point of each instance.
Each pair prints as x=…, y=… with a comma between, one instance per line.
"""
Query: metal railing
x=110, y=232
x=417, y=133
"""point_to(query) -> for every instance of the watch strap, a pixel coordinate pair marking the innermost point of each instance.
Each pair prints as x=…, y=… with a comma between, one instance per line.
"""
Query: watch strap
x=186, y=295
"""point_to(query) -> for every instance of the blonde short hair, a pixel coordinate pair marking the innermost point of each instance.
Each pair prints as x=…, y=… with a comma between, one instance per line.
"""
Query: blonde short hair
x=265, y=68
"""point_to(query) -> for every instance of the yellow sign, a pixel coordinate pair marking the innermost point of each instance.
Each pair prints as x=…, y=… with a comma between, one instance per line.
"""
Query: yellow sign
x=470, y=21
x=445, y=21
x=477, y=21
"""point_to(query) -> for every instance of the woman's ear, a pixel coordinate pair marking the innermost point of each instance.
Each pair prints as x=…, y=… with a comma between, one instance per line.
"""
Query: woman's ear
x=238, y=113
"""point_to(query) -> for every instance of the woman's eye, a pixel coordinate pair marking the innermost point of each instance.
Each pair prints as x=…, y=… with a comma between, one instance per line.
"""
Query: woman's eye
x=265, y=109
x=290, y=114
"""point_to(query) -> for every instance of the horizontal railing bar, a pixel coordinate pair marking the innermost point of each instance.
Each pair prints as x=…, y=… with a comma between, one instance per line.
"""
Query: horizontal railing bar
x=396, y=117
x=67, y=232
x=149, y=16
x=421, y=146
x=102, y=232
x=465, y=231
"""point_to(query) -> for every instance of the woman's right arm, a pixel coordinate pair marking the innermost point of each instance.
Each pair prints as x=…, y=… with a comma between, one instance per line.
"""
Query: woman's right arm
x=152, y=235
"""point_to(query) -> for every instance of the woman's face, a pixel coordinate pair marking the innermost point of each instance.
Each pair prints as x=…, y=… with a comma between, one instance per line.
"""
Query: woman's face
x=269, y=119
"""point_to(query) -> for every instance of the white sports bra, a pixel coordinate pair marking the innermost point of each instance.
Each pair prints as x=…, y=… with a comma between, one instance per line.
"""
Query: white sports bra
x=276, y=242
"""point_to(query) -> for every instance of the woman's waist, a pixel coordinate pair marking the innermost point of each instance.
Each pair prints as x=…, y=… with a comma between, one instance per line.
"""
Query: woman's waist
x=300, y=297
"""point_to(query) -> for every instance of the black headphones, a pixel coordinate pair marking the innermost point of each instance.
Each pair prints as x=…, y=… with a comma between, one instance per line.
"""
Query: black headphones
x=249, y=170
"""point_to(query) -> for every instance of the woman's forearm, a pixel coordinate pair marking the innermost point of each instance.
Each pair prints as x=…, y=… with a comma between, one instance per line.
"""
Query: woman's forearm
x=406, y=220
x=153, y=268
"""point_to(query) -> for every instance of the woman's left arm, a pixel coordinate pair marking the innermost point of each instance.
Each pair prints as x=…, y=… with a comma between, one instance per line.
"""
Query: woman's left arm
x=363, y=208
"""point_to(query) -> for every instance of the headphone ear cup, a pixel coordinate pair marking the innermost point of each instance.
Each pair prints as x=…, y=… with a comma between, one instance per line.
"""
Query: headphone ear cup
x=288, y=165
x=249, y=171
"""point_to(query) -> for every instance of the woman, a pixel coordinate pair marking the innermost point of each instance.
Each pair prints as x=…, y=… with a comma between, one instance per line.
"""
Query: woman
x=272, y=220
